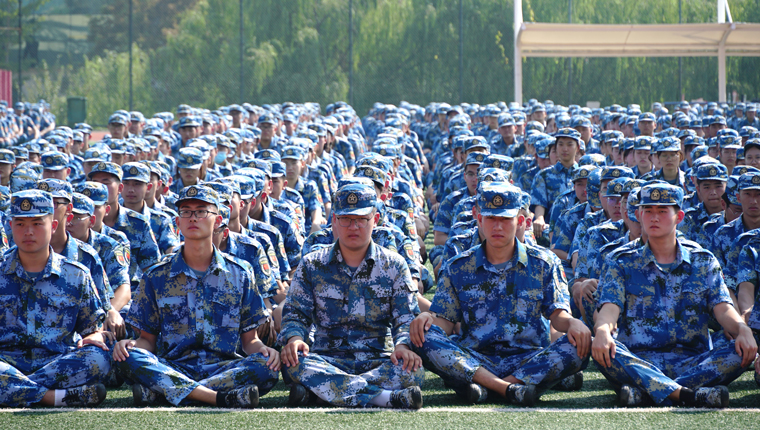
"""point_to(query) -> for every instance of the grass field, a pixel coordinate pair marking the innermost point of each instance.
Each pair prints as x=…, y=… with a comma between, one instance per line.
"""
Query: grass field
x=594, y=407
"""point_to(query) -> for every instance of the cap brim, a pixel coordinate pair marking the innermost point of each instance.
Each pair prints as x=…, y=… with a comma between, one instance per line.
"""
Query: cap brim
x=37, y=215
x=144, y=181
x=356, y=211
x=504, y=213
x=209, y=201
x=80, y=211
x=192, y=166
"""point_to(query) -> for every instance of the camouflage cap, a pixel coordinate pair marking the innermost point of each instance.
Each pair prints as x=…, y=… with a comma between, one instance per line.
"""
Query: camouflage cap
x=198, y=192
x=233, y=184
x=614, y=172
x=699, y=152
x=498, y=161
x=492, y=174
x=476, y=158
x=643, y=143
x=499, y=199
x=632, y=204
x=56, y=187
x=740, y=170
x=616, y=187
x=189, y=158
x=354, y=199
x=582, y=172
x=693, y=140
x=662, y=195
x=82, y=204
x=247, y=185
x=730, y=142
x=20, y=152
x=543, y=146
x=748, y=181
x=54, y=160
x=647, y=116
x=97, y=153
x=23, y=179
x=95, y=191
x=224, y=211
x=118, y=118
x=476, y=142
x=7, y=156
x=373, y=173
x=292, y=152
x=347, y=180
x=592, y=159
x=712, y=172
x=278, y=169
x=189, y=121
x=224, y=190
x=267, y=154
x=31, y=204
x=267, y=118
x=571, y=132
x=105, y=167
x=669, y=144
x=135, y=171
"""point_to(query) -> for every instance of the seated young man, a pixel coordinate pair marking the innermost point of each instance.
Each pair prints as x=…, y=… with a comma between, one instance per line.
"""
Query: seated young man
x=361, y=299
x=47, y=303
x=658, y=297
x=501, y=291
x=195, y=310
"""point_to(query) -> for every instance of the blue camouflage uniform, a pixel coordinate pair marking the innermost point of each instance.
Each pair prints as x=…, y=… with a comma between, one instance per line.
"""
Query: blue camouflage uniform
x=503, y=312
x=359, y=314
x=199, y=323
x=144, y=250
x=43, y=317
x=114, y=256
x=663, y=341
x=253, y=252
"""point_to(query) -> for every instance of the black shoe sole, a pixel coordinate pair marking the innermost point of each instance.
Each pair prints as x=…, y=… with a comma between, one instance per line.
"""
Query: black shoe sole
x=253, y=396
x=529, y=399
x=298, y=395
x=137, y=395
x=578, y=381
x=416, y=398
x=101, y=391
x=473, y=397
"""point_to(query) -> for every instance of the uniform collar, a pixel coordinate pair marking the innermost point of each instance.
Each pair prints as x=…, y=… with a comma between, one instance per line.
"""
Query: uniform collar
x=71, y=247
x=520, y=256
x=180, y=266
x=682, y=255
x=561, y=168
x=337, y=258
x=12, y=264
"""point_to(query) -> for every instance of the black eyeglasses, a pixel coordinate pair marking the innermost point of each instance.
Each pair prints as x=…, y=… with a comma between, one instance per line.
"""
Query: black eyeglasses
x=200, y=214
x=360, y=222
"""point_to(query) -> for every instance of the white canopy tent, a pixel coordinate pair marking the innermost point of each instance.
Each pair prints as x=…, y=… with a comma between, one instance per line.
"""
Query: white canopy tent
x=720, y=39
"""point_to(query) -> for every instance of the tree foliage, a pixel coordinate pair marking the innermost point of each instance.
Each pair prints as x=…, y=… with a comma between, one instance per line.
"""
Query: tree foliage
x=297, y=50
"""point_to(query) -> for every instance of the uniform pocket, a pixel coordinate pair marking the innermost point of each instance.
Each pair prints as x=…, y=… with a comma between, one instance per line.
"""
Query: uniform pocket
x=60, y=312
x=8, y=310
x=640, y=303
x=329, y=306
x=175, y=313
x=225, y=314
